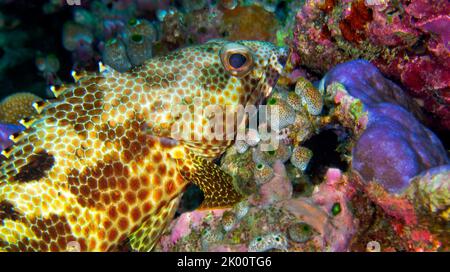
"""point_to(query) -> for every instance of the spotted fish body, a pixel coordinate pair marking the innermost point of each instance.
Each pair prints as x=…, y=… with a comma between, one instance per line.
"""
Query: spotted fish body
x=96, y=168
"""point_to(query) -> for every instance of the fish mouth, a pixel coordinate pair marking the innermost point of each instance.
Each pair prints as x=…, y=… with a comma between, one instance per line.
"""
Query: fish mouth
x=271, y=74
x=283, y=55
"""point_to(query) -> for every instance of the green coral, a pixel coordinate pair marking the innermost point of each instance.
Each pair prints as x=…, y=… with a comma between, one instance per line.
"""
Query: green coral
x=357, y=109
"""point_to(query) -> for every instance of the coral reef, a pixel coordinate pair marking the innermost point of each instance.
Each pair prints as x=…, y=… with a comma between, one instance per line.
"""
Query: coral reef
x=132, y=48
x=342, y=214
x=406, y=40
x=250, y=22
x=430, y=194
x=252, y=158
x=12, y=44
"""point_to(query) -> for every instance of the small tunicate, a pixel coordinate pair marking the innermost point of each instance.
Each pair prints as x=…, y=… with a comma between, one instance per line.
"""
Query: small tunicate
x=300, y=157
x=267, y=154
x=115, y=55
x=300, y=232
x=336, y=209
x=210, y=236
x=281, y=114
x=263, y=173
x=311, y=98
x=268, y=242
x=241, y=146
x=373, y=246
x=139, y=49
x=241, y=209
x=252, y=137
x=228, y=220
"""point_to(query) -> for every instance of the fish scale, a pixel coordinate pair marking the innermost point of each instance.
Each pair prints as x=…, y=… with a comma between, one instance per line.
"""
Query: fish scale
x=97, y=167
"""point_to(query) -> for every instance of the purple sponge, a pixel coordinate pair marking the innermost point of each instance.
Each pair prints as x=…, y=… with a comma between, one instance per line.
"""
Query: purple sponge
x=395, y=146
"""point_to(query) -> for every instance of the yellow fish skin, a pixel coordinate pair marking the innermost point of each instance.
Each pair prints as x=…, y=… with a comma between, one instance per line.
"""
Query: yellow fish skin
x=96, y=169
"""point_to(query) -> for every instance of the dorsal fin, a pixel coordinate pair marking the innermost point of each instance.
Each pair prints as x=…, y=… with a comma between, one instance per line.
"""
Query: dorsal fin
x=28, y=142
x=16, y=137
x=7, y=152
x=39, y=106
x=77, y=76
x=59, y=90
x=28, y=122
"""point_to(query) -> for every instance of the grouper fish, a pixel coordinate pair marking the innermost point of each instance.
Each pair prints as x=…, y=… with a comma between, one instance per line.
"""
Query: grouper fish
x=97, y=168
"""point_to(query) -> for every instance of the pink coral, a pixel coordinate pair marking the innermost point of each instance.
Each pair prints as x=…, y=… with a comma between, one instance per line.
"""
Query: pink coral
x=397, y=207
x=184, y=225
x=228, y=248
x=279, y=188
x=336, y=189
x=403, y=219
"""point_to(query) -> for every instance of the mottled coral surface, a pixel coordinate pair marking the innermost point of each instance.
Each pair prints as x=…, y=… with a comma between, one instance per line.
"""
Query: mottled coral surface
x=407, y=40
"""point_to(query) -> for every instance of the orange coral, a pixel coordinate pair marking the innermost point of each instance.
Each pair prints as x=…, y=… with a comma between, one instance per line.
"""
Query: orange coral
x=352, y=26
x=327, y=5
x=250, y=23
x=16, y=107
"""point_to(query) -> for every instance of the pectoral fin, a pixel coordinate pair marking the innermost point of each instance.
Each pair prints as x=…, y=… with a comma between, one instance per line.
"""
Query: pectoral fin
x=216, y=185
x=145, y=238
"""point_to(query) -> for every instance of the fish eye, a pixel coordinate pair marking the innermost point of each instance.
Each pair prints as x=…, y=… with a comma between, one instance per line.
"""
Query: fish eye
x=237, y=59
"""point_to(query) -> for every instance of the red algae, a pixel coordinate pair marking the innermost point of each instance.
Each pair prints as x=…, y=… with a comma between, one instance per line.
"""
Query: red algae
x=353, y=25
x=327, y=6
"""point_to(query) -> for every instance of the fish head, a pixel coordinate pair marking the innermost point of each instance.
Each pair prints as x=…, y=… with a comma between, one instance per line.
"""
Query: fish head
x=208, y=83
x=245, y=71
